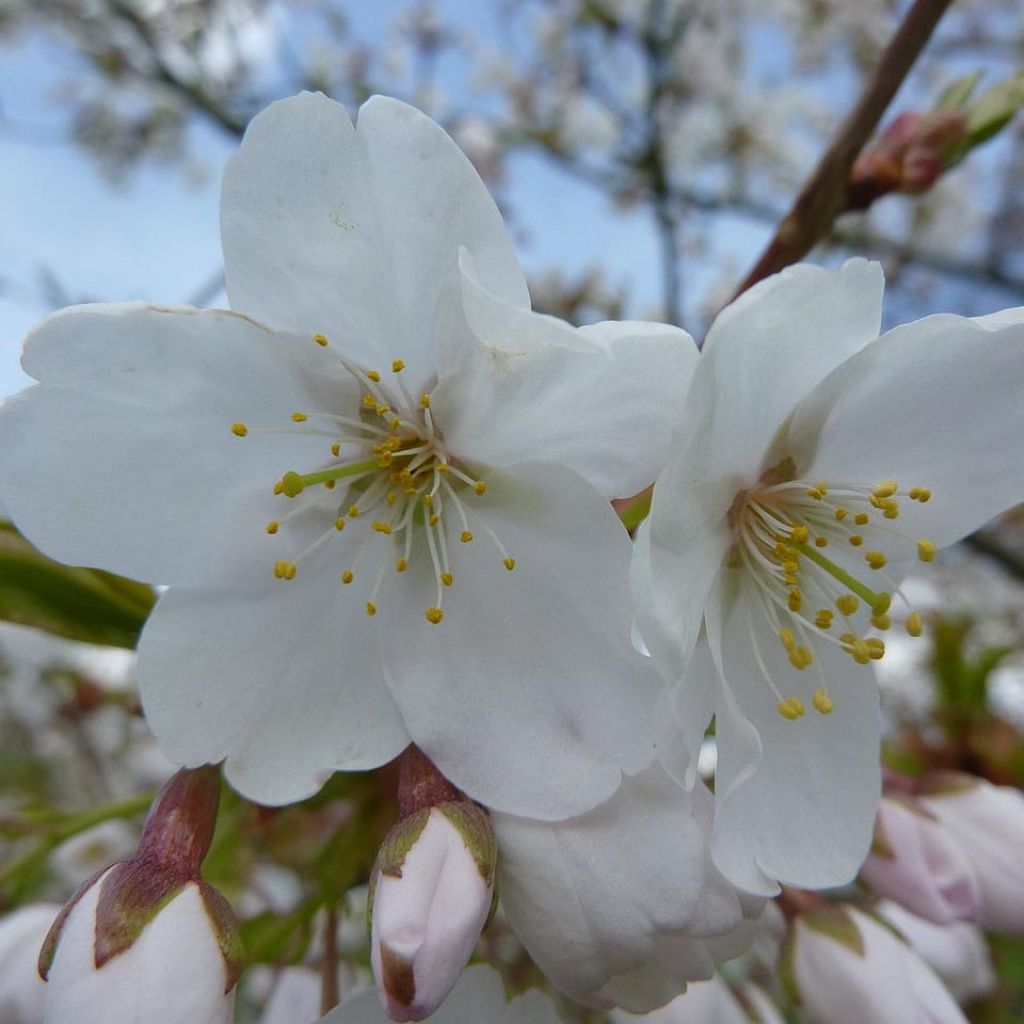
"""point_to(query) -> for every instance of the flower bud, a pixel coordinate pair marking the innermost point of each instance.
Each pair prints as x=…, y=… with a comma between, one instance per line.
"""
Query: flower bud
x=987, y=822
x=147, y=941
x=956, y=952
x=430, y=895
x=21, y=989
x=846, y=968
x=916, y=862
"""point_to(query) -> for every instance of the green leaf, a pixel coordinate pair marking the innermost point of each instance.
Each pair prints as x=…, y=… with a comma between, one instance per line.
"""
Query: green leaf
x=80, y=604
x=994, y=109
x=957, y=93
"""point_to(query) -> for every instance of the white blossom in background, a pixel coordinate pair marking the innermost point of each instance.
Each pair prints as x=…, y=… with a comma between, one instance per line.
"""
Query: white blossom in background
x=478, y=998
x=847, y=968
x=622, y=906
x=814, y=462
x=958, y=952
x=379, y=489
x=83, y=855
x=21, y=936
x=987, y=822
x=703, y=1002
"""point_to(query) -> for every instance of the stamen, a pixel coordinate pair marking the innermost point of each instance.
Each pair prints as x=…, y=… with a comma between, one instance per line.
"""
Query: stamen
x=239, y=429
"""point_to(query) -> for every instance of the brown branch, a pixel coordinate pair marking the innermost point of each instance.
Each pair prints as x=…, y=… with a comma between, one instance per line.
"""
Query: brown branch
x=823, y=196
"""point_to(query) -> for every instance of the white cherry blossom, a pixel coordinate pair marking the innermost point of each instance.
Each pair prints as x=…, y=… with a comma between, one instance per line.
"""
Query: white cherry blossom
x=813, y=462
x=379, y=490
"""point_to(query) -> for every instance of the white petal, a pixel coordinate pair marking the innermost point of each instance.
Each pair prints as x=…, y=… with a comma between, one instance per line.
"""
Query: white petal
x=283, y=681
x=123, y=456
x=529, y=695
x=478, y=998
x=608, y=903
x=351, y=232
x=801, y=809
x=600, y=399
x=935, y=404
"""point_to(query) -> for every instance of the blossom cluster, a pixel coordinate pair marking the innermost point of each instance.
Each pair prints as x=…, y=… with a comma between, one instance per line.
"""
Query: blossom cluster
x=379, y=491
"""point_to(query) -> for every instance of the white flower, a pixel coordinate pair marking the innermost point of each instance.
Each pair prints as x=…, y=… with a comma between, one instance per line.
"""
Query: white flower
x=957, y=952
x=173, y=973
x=805, y=458
x=848, y=969
x=916, y=861
x=622, y=906
x=308, y=477
x=21, y=937
x=478, y=998
x=431, y=896
x=705, y=1002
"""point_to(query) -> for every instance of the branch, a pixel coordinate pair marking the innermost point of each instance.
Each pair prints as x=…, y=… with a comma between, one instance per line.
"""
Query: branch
x=823, y=196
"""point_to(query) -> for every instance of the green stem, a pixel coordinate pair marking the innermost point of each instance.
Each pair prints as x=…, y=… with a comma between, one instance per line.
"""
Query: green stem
x=874, y=600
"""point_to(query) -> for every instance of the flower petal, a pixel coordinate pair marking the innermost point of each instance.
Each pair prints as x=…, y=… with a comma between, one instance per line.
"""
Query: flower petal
x=795, y=801
x=351, y=232
x=599, y=399
x=935, y=404
x=124, y=458
x=529, y=695
x=606, y=903
x=282, y=681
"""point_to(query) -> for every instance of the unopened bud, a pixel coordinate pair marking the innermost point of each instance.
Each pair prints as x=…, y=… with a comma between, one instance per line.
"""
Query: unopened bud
x=431, y=893
x=147, y=939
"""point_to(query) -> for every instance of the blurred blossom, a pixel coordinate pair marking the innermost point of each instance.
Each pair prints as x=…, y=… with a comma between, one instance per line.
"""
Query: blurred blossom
x=915, y=861
x=957, y=952
x=83, y=855
x=703, y=1002
x=21, y=936
x=295, y=994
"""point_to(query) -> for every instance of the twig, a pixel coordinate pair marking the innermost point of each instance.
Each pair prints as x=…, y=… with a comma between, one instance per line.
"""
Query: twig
x=329, y=995
x=822, y=197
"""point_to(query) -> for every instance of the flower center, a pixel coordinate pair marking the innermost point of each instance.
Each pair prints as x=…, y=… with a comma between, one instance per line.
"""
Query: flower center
x=395, y=476
x=795, y=540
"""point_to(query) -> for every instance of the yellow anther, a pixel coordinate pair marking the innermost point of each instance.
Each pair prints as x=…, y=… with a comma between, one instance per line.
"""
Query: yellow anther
x=433, y=615
x=923, y=494
x=822, y=701
x=336, y=449
x=885, y=489
x=434, y=519
x=509, y=563
x=239, y=429
x=425, y=401
x=381, y=527
x=397, y=365
x=791, y=708
x=891, y=511
x=859, y=651
x=847, y=638
x=385, y=460
x=284, y=570
x=800, y=658
x=347, y=576
x=299, y=417
x=881, y=621
x=800, y=534
x=862, y=519
x=330, y=484
x=391, y=497
x=401, y=565
x=926, y=550
x=321, y=340
x=822, y=486
x=847, y=603
x=790, y=581
x=856, y=540
x=395, y=423
x=447, y=579
x=915, y=627
x=882, y=604
x=373, y=375
x=480, y=487
x=382, y=409
x=790, y=566
x=876, y=648
x=369, y=401
x=817, y=494
x=339, y=523
x=875, y=559
x=796, y=600
x=279, y=487
x=787, y=639
x=353, y=511
x=841, y=513
x=292, y=484
x=466, y=536
x=371, y=608
x=823, y=620
x=272, y=526
x=821, y=542
x=428, y=500
x=442, y=467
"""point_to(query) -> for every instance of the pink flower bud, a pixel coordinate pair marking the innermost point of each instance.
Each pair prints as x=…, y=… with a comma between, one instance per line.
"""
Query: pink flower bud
x=916, y=862
x=21, y=989
x=988, y=824
x=430, y=896
x=846, y=968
